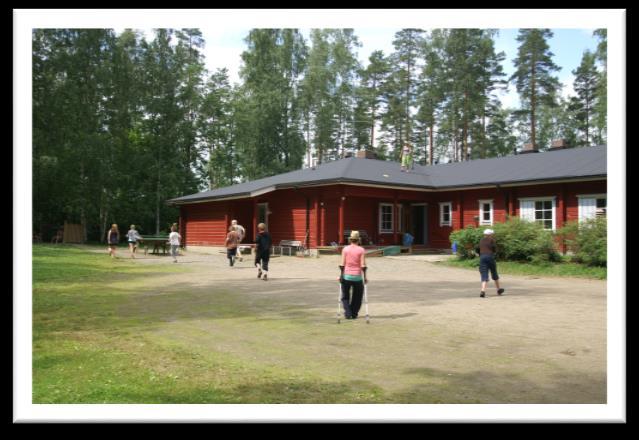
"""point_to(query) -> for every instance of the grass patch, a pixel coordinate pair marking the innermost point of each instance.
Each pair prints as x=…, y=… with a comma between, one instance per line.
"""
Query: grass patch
x=95, y=341
x=560, y=269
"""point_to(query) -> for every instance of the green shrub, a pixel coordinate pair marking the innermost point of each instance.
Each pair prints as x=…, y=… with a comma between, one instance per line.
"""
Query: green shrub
x=587, y=241
x=467, y=240
x=516, y=240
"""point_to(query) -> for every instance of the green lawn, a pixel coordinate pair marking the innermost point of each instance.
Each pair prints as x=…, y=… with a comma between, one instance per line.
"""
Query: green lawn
x=147, y=331
x=95, y=341
x=560, y=269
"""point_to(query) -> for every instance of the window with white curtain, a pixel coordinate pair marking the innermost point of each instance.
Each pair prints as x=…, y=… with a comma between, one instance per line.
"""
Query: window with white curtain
x=540, y=209
x=592, y=206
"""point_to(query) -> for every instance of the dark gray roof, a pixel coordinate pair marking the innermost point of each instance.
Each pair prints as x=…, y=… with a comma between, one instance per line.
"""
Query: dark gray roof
x=572, y=163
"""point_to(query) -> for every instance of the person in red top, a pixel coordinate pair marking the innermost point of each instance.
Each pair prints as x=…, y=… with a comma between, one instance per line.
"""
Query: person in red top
x=353, y=276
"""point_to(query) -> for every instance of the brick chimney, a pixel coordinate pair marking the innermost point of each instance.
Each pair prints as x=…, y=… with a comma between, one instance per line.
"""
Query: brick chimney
x=364, y=154
x=559, y=144
x=529, y=148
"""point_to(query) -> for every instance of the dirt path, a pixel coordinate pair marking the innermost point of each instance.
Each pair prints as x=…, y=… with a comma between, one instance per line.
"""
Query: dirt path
x=431, y=338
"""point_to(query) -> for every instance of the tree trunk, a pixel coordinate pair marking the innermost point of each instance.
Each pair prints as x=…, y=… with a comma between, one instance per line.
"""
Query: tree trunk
x=408, y=103
x=483, y=132
x=587, y=122
x=157, y=199
x=532, y=105
x=374, y=87
x=465, y=149
x=83, y=218
x=431, y=143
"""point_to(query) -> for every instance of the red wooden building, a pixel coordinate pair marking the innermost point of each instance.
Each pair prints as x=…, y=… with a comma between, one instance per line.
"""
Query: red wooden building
x=319, y=205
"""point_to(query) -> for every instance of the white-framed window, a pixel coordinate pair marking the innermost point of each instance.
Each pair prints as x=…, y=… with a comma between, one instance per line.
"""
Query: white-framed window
x=386, y=217
x=592, y=206
x=486, y=212
x=539, y=209
x=446, y=214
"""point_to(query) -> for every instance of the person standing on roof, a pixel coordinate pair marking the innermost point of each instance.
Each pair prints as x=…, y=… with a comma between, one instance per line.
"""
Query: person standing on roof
x=353, y=276
x=487, y=250
x=241, y=232
x=407, y=157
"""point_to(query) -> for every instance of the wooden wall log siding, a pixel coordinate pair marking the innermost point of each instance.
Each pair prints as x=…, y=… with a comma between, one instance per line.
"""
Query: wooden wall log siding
x=205, y=223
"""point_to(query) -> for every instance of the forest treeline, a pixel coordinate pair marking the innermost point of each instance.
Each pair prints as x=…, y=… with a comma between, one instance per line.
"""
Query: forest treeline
x=121, y=123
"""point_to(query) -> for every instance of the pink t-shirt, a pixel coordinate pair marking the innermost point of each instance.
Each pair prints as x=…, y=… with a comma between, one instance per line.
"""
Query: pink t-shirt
x=353, y=259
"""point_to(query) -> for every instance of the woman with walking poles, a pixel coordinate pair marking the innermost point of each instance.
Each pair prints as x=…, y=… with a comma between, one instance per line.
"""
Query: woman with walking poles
x=487, y=250
x=353, y=276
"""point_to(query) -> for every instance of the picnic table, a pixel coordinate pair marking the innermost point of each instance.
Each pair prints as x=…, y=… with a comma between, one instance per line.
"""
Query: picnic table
x=158, y=242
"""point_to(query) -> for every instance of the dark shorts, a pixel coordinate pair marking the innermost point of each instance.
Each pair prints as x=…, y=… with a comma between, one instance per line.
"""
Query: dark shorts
x=134, y=243
x=262, y=258
x=487, y=263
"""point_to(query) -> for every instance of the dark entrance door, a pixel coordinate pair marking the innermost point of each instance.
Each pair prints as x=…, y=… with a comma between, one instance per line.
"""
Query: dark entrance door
x=418, y=223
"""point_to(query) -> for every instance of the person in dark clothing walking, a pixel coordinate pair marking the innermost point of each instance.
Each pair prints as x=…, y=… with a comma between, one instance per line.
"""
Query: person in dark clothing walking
x=262, y=251
x=487, y=250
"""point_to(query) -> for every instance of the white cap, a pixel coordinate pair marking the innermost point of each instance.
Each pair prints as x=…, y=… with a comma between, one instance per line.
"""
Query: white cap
x=488, y=231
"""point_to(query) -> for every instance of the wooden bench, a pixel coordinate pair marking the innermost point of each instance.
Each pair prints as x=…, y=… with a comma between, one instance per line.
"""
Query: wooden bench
x=290, y=245
x=364, y=238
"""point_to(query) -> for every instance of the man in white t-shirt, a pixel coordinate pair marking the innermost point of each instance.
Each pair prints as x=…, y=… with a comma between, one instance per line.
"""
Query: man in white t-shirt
x=241, y=232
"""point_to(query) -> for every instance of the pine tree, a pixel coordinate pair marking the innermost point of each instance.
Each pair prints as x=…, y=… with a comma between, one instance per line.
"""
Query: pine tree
x=408, y=45
x=431, y=89
x=371, y=88
x=601, y=105
x=585, y=85
x=533, y=73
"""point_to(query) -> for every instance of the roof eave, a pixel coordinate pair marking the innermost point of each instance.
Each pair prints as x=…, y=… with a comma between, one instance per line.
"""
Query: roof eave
x=510, y=183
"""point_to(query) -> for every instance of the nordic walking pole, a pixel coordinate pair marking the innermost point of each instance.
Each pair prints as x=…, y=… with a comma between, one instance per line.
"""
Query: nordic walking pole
x=366, y=302
x=339, y=304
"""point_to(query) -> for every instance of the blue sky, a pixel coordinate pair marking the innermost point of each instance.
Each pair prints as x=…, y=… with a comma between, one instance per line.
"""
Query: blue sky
x=224, y=46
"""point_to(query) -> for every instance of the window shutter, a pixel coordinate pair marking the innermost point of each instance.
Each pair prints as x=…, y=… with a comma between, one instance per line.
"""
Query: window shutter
x=587, y=208
x=527, y=210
